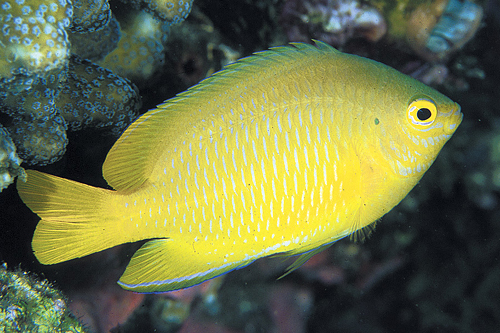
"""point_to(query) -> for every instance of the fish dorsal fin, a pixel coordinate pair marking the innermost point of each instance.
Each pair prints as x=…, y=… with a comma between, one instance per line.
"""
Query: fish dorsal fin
x=364, y=233
x=132, y=159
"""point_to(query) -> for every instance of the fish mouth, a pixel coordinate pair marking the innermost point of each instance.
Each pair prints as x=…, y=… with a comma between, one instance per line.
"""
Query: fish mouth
x=454, y=120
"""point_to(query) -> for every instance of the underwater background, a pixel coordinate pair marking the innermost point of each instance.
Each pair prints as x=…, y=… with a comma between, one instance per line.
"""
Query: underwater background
x=432, y=265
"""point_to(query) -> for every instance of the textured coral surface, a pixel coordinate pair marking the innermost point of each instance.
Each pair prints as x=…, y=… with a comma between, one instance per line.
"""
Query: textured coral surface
x=30, y=305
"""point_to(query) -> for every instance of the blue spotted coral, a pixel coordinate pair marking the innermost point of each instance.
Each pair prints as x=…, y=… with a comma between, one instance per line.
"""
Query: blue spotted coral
x=9, y=161
x=43, y=90
x=93, y=96
x=87, y=96
x=94, y=46
x=37, y=129
x=171, y=11
x=90, y=15
x=33, y=60
x=34, y=40
x=140, y=50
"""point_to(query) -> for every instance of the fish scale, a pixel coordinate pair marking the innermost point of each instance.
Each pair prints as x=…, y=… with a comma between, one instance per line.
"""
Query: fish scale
x=300, y=180
x=281, y=153
x=293, y=213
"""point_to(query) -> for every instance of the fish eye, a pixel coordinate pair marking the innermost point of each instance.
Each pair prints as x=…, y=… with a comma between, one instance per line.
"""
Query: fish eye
x=421, y=112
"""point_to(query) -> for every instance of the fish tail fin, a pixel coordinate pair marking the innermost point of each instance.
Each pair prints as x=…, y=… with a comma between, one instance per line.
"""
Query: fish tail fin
x=76, y=219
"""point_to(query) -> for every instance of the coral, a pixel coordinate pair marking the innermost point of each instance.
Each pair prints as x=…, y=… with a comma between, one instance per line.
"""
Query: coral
x=331, y=21
x=30, y=305
x=446, y=230
x=171, y=11
x=39, y=133
x=140, y=49
x=397, y=12
x=39, y=141
x=88, y=95
x=32, y=62
x=90, y=15
x=94, y=46
x=457, y=23
x=34, y=41
x=41, y=89
x=9, y=161
x=93, y=96
x=433, y=29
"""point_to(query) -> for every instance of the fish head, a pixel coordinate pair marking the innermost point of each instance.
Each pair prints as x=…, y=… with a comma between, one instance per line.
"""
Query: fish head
x=410, y=133
x=405, y=123
x=409, y=136
x=427, y=122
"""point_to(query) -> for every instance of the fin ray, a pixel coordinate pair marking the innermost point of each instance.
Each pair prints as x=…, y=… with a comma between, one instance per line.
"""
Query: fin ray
x=73, y=224
x=364, y=233
x=303, y=258
x=163, y=265
x=132, y=159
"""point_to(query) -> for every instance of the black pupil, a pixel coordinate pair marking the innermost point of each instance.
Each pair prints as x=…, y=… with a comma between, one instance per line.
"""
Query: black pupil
x=423, y=114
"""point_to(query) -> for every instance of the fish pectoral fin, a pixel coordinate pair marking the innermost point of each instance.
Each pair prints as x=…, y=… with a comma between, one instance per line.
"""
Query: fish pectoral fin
x=163, y=265
x=303, y=258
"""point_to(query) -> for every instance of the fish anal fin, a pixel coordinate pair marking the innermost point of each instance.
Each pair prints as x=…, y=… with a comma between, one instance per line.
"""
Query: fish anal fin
x=364, y=233
x=163, y=265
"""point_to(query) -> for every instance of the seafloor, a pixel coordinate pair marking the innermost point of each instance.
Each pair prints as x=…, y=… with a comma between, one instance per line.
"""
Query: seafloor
x=432, y=265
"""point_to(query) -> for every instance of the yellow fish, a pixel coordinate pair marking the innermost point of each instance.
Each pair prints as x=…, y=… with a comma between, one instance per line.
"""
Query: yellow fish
x=281, y=153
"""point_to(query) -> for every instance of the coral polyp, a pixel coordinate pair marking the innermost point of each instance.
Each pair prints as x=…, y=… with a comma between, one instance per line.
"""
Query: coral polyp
x=173, y=12
x=90, y=15
x=34, y=40
x=94, y=46
x=93, y=96
x=35, y=126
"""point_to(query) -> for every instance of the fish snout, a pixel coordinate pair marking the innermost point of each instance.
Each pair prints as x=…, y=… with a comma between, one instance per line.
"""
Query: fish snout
x=454, y=120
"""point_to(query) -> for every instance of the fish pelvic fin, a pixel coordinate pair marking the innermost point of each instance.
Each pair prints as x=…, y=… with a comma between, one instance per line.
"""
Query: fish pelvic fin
x=361, y=235
x=303, y=257
x=76, y=219
x=163, y=265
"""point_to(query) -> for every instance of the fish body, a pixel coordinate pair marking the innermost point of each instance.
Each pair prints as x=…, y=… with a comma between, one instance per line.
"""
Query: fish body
x=283, y=152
